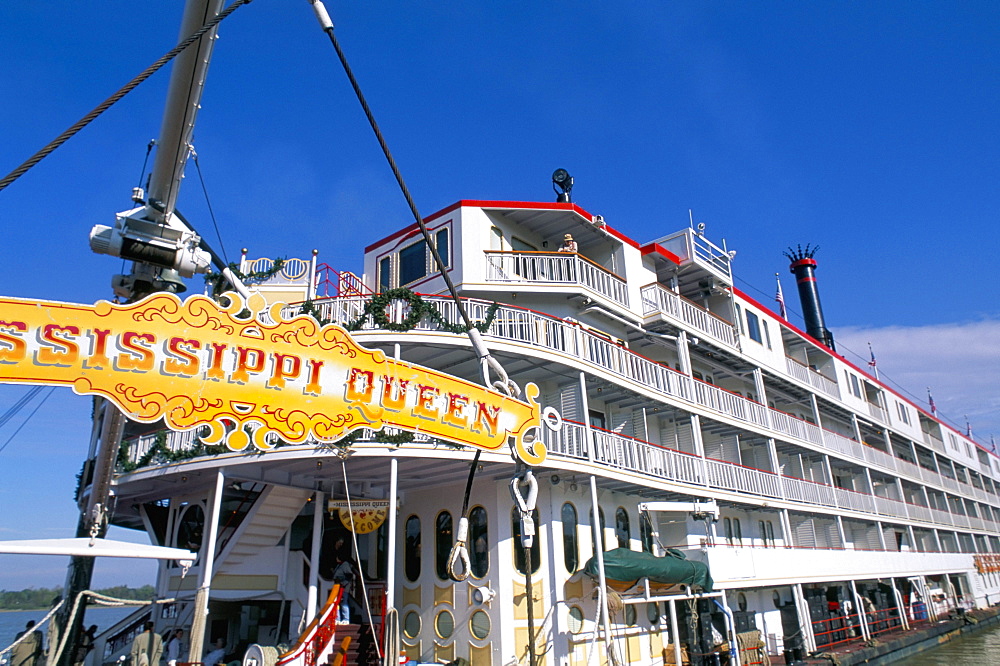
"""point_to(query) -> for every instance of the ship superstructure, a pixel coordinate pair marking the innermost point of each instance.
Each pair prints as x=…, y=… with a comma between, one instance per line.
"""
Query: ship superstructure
x=694, y=420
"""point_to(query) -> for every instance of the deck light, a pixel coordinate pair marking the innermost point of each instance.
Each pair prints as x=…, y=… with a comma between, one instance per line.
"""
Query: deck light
x=564, y=182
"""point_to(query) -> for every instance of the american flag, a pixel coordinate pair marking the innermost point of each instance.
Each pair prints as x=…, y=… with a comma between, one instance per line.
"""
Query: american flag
x=872, y=363
x=968, y=428
x=930, y=399
x=780, y=297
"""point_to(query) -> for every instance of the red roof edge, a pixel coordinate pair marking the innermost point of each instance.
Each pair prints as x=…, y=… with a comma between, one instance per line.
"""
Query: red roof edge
x=656, y=248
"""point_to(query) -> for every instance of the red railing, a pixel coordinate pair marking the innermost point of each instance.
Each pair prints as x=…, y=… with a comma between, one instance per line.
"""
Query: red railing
x=316, y=639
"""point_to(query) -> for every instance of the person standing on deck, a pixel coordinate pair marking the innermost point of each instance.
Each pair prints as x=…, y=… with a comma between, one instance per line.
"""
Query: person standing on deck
x=174, y=647
x=29, y=651
x=147, y=648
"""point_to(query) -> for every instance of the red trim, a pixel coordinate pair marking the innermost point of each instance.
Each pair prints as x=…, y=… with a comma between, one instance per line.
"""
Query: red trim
x=523, y=205
x=805, y=279
x=620, y=236
x=803, y=262
x=656, y=248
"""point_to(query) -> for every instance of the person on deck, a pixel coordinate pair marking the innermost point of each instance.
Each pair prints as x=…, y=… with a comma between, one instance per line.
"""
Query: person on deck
x=147, y=648
x=84, y=645
x=174, y=647
x=343, y=575
x=568, y=245
x=216, y=656
x=29, y=651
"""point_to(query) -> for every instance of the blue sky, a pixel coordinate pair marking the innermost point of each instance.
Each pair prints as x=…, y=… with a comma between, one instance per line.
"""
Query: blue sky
x=868, y=128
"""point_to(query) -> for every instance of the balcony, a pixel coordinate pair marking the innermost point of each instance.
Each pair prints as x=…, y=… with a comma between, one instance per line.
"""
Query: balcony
x=657, y=299
x=555, y=268
x=532, y=328
x=813, y=378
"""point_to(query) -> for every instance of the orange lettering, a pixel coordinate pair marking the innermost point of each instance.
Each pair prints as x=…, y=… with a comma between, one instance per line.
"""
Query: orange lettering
x=243, y=365
x=455, y=414
x=313, y=386
x=12, y=347
x=280, y=374
x=486, y=415
x=99, y=356
x=426, y=399
x=360, y=384
x=215, y=370
x=394, y=393
x=188, y=363
x=139, y=357
x=56, y=350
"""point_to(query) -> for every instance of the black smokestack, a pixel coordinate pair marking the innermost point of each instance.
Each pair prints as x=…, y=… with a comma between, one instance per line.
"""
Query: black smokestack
x=804, y=268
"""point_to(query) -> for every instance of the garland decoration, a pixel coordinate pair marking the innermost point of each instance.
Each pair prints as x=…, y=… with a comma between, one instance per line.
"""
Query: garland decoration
x=419, y=309
x=218, y=282
x=160, y=454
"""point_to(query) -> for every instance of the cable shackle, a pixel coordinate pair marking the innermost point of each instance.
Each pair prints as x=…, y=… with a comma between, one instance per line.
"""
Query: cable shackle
x=459, y=566
x=525, y=505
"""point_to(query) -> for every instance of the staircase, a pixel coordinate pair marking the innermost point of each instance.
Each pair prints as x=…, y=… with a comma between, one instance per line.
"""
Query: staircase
x=267, y=522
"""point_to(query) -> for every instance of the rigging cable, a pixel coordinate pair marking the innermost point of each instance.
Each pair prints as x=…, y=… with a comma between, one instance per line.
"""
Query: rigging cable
x=503, y=383
x=145, y=162
x=42, y=402
x=211, y=213
x=126, y=89
x=20, y=404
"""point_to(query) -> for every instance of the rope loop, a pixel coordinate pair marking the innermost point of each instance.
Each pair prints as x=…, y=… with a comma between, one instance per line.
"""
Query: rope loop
x=459, y=565
x=525, y=505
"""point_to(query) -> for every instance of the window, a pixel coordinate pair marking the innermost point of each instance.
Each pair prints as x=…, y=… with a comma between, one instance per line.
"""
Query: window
x=443, y=246
x=855, y=386
x=411, y=561
x=770, y=532
x=767, y=333
x=623, y=530
x=903, y=414
x=753, y=327
x=571, y=547
x=442, y=544
x=597, y=420
x=737, y=532
x=763, y=533
x=479, y=552
x=728, y=525
x=739, y=319
x=520, y=555
x=645, y=532
x=385, y=274
x=412, y=262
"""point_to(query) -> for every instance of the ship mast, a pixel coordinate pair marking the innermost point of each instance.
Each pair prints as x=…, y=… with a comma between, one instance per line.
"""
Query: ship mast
x=163, y=249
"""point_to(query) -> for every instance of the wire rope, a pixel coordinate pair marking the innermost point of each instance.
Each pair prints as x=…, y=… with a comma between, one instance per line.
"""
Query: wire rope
x=110, y=101
x=25, y=422
x=211, y=212
x=354, y=538
x=13, y=410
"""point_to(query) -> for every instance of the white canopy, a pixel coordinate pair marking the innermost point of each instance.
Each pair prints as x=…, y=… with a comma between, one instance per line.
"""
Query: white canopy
x=86, y=547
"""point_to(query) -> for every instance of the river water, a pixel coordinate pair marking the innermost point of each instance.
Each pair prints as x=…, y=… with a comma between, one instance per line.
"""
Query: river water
x=979, y=648
x=12, y=622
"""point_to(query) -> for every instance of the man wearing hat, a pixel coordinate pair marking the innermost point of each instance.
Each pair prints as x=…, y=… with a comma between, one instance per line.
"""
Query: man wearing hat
x=569, y=245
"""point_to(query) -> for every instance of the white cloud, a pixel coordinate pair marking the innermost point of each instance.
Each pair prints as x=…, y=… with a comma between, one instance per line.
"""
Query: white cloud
x=960, y=363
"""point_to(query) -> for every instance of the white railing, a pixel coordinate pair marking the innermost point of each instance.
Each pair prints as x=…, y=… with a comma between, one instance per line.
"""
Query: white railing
x=848, y=499
x=529, y=327
x=809, y=376
x=555, y=267
x=808, y=492
x=174, y=441
x=657, y=298
x=730, y=476
x=878, y=413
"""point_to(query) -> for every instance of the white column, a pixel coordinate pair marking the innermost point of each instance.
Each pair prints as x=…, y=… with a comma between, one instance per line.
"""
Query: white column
x=390, y=594
x=675, y=632
x=207, y=556
x=312, y=601
x=804, y=617
x=865, y=633
x=599, y=555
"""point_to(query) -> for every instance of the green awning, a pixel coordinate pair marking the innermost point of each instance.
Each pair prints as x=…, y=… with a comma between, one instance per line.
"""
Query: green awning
x=629, y=566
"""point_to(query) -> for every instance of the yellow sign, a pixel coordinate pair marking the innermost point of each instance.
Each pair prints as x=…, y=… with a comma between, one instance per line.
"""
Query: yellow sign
x=368, y=515
x=248, y=377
